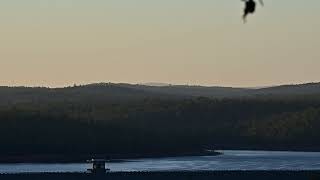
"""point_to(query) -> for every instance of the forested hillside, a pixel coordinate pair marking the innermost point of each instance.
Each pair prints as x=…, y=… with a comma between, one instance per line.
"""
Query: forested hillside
x=131, y=92
x=117, y=119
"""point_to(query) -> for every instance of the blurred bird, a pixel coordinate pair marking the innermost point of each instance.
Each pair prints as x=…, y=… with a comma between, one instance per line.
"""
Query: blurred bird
x=250, y=8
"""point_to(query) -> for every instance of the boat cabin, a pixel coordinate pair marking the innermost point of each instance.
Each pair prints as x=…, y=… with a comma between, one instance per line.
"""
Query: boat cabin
x=98, y=166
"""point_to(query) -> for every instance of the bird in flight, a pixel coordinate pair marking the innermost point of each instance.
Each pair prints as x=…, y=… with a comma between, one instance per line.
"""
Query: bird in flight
x=250, y=8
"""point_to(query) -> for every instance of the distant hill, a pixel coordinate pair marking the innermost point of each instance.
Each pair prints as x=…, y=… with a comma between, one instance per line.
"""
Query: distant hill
x=125, y=92
x=299, y=89
x=93, y=93
x=138, y=120
x=185, y=90
x=229, y=92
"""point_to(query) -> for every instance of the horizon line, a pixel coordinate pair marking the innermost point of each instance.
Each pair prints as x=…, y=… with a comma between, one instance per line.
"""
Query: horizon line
x=160, y=85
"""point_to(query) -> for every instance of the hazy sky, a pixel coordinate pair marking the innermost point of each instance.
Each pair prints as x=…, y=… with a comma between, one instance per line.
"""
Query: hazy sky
x=62, y=42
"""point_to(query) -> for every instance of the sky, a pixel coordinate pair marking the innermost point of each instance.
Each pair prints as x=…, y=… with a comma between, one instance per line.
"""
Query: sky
x=197, y=42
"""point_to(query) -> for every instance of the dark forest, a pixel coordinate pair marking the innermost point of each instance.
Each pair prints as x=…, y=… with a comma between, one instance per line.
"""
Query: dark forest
x=132, y=120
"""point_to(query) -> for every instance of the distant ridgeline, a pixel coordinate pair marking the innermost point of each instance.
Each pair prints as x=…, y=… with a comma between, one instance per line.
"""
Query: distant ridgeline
x=136, y=119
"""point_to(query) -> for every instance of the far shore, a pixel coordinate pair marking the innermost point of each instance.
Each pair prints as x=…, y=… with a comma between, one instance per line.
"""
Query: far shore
x=114, y=158
x=82, y=158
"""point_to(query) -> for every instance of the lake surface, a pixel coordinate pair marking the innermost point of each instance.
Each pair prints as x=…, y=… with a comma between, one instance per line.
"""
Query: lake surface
x=230, y=160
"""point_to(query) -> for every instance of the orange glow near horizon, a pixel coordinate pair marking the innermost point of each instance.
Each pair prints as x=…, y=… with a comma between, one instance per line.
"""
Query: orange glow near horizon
x=62, y=42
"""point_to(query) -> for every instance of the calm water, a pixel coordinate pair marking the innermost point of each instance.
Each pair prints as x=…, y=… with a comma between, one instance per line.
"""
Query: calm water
x=231, y=160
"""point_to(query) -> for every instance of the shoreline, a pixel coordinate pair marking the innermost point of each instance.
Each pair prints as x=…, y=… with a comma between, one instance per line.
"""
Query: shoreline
x=82, y=158
x=114, y=158
x=175, y=175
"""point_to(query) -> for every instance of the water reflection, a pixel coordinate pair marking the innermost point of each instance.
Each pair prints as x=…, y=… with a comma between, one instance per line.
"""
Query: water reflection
x=230, y=160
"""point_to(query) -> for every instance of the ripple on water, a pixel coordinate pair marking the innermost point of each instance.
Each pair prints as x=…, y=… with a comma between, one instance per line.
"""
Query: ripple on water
x=230, y=160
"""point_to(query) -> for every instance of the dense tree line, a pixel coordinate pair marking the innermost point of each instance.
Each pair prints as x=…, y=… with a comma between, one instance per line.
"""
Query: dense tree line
x=158, y=124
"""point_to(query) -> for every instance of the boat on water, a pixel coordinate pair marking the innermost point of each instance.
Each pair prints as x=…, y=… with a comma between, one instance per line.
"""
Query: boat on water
x=98, y=166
